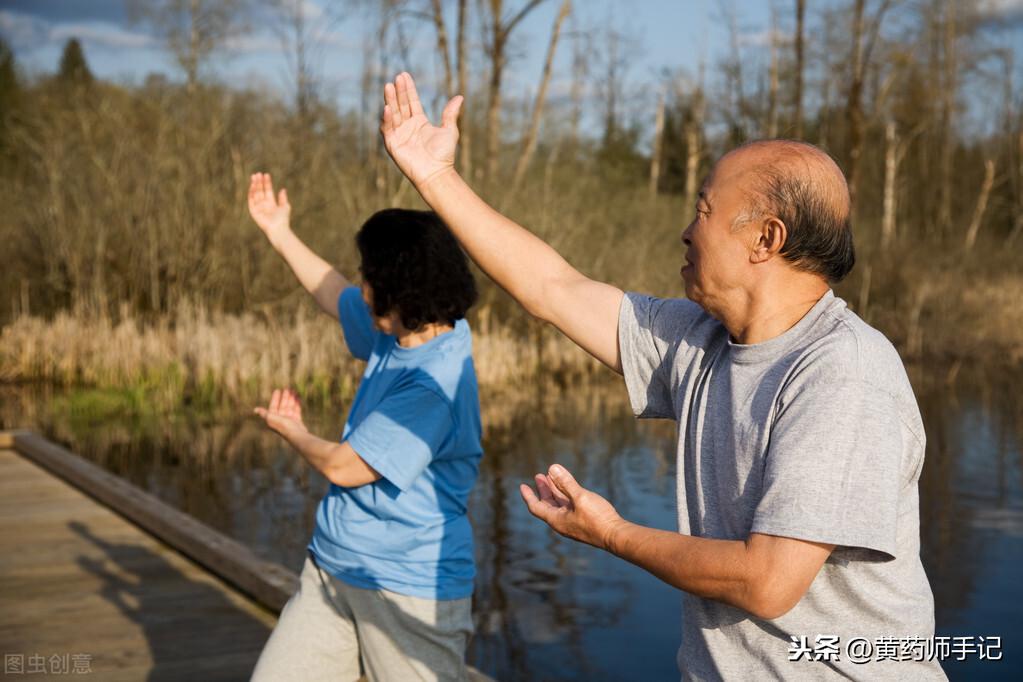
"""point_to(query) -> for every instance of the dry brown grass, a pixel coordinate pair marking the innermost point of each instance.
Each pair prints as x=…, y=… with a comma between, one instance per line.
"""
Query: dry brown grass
x=204, y=355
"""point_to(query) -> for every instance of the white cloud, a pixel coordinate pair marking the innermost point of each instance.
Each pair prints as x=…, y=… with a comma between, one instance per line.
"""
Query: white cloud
x=763, y=38
x=254, y=43
x=100, y=33
x=1001, y=12
x=27, y=32
x=311, y=10
x=22, y=30
x=1001, y=6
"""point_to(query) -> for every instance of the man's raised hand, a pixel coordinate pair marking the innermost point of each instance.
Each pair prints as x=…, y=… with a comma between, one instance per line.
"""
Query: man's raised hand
x=421, y=150
x=273, y=215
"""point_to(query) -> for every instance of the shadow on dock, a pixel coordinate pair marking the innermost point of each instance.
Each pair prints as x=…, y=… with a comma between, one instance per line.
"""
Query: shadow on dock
x=174, y=612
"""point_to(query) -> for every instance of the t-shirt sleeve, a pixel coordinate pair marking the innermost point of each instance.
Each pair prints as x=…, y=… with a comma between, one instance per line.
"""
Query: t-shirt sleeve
x=403, y=434
x=832, y=469
x=649, y=333
x=356, y=323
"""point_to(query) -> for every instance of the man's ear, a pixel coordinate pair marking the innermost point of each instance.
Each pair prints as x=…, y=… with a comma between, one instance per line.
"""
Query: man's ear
x=771, y=236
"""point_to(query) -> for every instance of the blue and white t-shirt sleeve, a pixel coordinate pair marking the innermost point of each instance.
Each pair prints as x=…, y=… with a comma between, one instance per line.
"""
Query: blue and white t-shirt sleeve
x=403, y=434
x=356, y=322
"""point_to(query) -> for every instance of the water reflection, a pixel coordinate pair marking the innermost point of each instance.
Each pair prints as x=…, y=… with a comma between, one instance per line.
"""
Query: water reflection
x=971, y=510
x=540, y=599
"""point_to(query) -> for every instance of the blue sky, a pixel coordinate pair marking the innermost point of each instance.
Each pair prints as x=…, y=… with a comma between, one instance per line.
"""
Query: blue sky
x=669, y=34
x=665, y=34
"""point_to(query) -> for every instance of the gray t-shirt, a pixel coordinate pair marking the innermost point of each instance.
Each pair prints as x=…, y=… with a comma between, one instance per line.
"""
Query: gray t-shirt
x=816, y=435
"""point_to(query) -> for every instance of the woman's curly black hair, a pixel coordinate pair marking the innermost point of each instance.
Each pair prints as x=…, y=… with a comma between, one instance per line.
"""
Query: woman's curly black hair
x=415, y=267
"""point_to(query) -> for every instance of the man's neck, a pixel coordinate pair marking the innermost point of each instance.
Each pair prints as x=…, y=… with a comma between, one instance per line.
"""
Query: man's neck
x=771, y=311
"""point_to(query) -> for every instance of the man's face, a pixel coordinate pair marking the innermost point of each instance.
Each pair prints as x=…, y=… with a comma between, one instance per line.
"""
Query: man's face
x=718, y=256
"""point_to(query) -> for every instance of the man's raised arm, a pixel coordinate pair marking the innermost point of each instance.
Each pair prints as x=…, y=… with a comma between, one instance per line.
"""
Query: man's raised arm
x=522, y=264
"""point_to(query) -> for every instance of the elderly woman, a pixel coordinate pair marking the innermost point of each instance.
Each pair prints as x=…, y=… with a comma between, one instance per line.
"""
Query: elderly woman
x=386, y=588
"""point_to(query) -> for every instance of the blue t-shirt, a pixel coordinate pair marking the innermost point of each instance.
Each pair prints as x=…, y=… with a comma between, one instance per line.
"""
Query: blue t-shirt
x=415, y=420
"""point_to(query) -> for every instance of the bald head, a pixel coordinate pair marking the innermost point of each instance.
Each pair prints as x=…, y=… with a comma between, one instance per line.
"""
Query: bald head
x=803, y=187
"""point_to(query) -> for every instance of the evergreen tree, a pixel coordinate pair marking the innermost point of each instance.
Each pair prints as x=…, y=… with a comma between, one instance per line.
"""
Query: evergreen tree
x=9, y=87
x=73, y=67
x=10, y=102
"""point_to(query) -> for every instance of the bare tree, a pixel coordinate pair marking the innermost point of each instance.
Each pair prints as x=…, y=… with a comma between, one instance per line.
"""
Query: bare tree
x=772, y=77
x=300, y=27
x=736, y=107
x=462, y=55
x=375, y=68
x=864, y=35
x=694, y=129
x=192, y=29
x=580, y=71
x=949, y=88
x=891, y=172
x=529, y=143
x=797, y=90
x=693, y=134
x=1017, y=173
x=500, y=29
x=658, y=146
x=981, y=206
x=620, y=46
x=442, y=47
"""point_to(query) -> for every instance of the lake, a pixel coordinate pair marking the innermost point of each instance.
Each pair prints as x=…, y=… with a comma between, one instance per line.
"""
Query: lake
x=547, y=608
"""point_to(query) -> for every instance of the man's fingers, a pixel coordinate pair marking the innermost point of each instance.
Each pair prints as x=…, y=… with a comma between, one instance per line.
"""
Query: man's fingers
x=449, y=117
x=275, y=401
x=261, y=411
x=564, y=481
x=391, y=101
x=282, y=197
x=415, y=105
x=544, y=489
x=401, y=83
x=559, y=497
x=533, y=503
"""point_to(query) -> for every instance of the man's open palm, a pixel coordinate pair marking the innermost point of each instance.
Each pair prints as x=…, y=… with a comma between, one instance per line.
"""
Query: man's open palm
x=421, y=150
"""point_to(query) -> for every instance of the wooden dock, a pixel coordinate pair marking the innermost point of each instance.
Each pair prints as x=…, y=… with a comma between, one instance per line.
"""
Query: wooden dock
x=141, y=593
x=83, y=589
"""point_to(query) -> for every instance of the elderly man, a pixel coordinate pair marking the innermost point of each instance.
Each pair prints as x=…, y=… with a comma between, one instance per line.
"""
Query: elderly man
x=799, y=439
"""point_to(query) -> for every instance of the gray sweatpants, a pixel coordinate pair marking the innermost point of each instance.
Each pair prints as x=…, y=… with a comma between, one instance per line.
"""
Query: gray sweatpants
x=330, y=630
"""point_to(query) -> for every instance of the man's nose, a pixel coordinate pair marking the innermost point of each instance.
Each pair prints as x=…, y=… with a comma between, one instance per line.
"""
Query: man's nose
x=686, y=238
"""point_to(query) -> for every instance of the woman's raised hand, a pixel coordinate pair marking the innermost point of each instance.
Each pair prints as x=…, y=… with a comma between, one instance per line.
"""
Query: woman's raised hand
x=272, y=214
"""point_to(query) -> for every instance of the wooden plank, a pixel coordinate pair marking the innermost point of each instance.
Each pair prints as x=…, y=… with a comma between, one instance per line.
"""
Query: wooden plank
x=7, y=438
x=88, y=581
x=49, y=588
x=268, y=583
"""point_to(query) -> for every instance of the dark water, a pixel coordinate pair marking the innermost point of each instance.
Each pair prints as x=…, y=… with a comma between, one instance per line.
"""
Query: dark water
x=549, y=609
